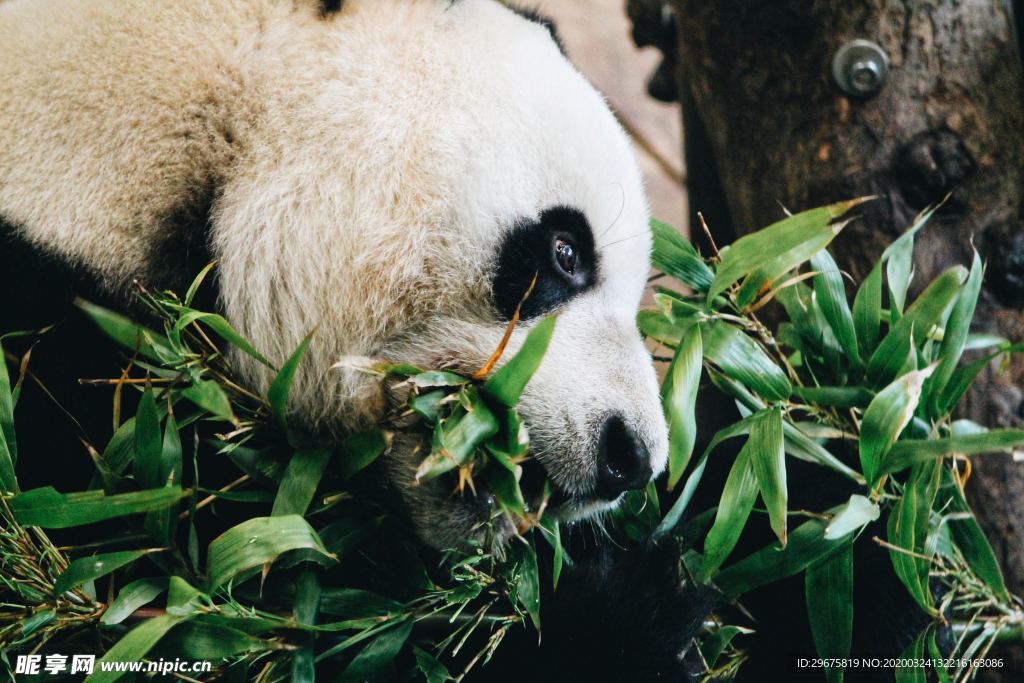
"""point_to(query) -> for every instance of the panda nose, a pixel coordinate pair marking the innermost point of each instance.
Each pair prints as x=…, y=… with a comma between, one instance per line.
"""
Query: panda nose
x=623, y=462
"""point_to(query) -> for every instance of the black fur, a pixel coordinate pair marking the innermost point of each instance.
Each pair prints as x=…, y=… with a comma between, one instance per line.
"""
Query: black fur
x=330, y=6
x=617, y=615
x=528, y=250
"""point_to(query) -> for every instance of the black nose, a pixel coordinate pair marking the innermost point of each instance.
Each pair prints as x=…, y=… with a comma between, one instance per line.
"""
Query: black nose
x=623, y=463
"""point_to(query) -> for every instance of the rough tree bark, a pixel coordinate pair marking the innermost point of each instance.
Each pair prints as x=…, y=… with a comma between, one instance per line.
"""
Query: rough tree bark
x=765, y=125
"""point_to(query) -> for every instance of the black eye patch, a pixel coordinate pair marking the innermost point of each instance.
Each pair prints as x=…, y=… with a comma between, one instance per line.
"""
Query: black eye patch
x=557, y=247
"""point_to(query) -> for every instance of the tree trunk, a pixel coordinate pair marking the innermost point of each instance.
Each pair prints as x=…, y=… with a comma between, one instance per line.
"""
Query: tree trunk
x=755, y=79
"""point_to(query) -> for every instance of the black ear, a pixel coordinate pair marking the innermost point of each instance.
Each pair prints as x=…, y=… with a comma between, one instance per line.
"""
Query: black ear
x=330, y=6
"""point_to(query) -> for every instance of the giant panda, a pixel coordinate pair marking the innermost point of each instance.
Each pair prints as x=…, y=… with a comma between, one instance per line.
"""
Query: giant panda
x=390, y=173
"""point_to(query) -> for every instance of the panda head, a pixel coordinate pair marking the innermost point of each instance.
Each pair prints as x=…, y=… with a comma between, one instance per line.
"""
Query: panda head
x=456, y=154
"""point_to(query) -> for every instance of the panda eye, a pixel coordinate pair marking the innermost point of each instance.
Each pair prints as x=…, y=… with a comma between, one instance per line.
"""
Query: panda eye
x=552, y=256
x=566, y=256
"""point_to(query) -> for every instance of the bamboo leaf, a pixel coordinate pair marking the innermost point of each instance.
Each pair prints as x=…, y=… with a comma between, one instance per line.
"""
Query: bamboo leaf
x=134, y=646
x=867, y=312
x=911, y=654
x=835, y=397
x=126, y=332
x=925, y=313
x=679, y=397
x=738, y=496
x=209, y=396
x=654, y=325
x=955, y=337
x=970, y=539
x=93, y=567
x=222, y=327
x=673, y=255
x=458, y=436
x=743, y=360
x=886, y=416
x=357, y=451
x=767, y=459
x=807, y=545
x=300, y=480
x=8, y=442
x=148, y=443
x=506, y=385
x=788, y=236
x=528, y=583
x=828, y=587
x=45, y=507
x=256, y=542
x=831, y=296
x=908, y=530
x=131, y=597
x=433, y=671
x=853, y=515
x=912, y=452
x=379, y=653
x=281, y=386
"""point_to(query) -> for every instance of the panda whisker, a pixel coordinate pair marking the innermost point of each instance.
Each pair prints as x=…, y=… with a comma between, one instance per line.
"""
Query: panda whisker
x=624, y=239
x=622, y=207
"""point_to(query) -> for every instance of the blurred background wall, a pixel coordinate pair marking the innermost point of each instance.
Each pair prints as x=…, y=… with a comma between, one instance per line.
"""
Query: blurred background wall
x=596, y=34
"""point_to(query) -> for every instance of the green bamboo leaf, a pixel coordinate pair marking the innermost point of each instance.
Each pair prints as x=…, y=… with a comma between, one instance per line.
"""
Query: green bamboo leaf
x=675, y=513
x=380, y=652
x=807, y=545
x=970, y=539
x=768, y=461
x=281, y=386
x=134, y=646
x=131, y=597
x=160, y=524
x=506, y=385
x=433, y=671
x=45, y=507
x=886, y=416
x=925, y=313
x=679, y=397
x=911, y=452
x=790, y=236
x=908, y=531
x=256, y=542
x=828, y=586
x=458, y=436
x=222, y=327
x=201, y=639
x=835, y=397
x=209, y=396
x=673, y=255
x=853, y=515
x=734, y=508
x=742, y=359
x=301, y=478
x=654, y=325
x=899, y=260
x=127, y=333
x=93, y=567
x=428, y=406
x=353, y=603
x=955, y=337
x=712, y=647
x=503, y=482
x=830, y=293
x=304, y=609
x=148, y=442
x=675, y=308
x=771, y=275
x=197, y=281
x=911, y=654
x=358, y=450
x=8, y=442
x=867, y=312
x=528, y=580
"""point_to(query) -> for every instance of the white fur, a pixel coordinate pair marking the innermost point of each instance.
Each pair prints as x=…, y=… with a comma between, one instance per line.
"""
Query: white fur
x=369, y=164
